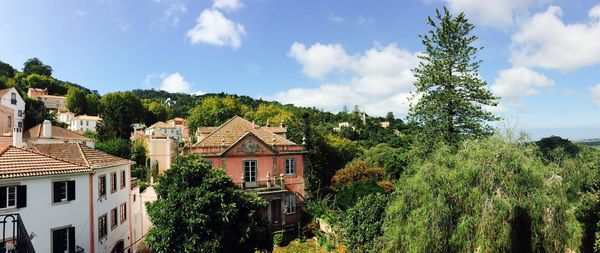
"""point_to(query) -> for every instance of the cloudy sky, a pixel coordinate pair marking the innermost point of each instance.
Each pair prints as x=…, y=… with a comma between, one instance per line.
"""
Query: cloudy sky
x=541, y=56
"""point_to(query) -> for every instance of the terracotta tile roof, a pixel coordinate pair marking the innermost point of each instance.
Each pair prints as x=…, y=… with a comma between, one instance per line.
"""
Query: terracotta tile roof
x=17, y=162
x=87, y=117
x=207, y=130
x=4, y=91
x=277, y=130
x=80, y=154
x=6, y=140
x=57, y=133
x=237, y=127
x=161, y=124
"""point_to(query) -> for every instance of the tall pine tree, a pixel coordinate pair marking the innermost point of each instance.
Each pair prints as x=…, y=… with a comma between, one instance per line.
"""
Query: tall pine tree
x=451, y=95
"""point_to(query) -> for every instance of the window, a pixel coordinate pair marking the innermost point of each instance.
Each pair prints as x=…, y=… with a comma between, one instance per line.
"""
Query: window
x=102, y=185
x=102, y=227
x=113, y=218
x=81, y=122
x=13, y=98
x=123, y=210
x=134, y=197
x=250, y=171
x=9, y=122
x=20, y=124
x=14, y=196
x=20, y=113
x=87, y=123
x=63, y=240
x=290, y=204
x=123, y=179
x=113, y=182
x=63, y=191
x=290, y=166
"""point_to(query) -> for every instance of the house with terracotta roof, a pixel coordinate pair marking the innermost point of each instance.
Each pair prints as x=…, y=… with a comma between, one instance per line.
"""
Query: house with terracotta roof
x=53, y=102
x=46, y=133
x=83, y=123
x=182, y=125
x=164, y=128
x=12, y=110
x=51, y=197
x=259, y=159
x=110, y=193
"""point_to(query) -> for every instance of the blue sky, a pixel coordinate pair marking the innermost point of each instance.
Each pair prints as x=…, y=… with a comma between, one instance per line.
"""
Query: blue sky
x=541, y=56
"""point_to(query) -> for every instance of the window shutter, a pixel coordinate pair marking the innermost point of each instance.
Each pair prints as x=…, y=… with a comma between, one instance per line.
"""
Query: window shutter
x=2, y=197
x=21, y=196
x=57, y=240
x=72, y=239
x=56, y=192
x=71, y=190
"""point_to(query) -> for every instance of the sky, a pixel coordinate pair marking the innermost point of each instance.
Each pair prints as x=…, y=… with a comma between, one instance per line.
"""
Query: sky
x=542, y=57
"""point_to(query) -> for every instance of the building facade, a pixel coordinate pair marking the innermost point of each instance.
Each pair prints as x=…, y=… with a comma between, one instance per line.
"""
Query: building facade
x=83, y=123
x=262, y=161
x=166, y=129
x=12, y=101
x=50, y=101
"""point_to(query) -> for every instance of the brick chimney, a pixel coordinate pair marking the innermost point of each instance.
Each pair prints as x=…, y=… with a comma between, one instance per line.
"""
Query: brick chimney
x=47, y=129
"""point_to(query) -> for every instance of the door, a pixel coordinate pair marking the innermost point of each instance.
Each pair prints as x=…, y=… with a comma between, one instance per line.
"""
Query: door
x=250, y=173
x=119, y=247
x=276, y=211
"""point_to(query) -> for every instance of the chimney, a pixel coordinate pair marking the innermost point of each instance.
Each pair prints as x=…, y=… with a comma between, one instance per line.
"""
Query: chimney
x=17, y=137
x=47, y=129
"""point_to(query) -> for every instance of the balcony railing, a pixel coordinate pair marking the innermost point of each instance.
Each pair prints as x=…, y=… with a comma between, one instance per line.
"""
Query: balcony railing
x=270, y=184
x=15, y=238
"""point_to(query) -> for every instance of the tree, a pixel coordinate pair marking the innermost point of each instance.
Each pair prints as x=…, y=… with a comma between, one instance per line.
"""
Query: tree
x=271, y=113
x=93, y=103
x=553, y=147
x=214, y=111
x=44, y=82
x=490, y=195
x=451, y=95
x=356, y=180
x=36, y=113
x=35, y=66
x=7, y=70
x=362, y=227
x=138, y=152
x=76, y=101
x=199, y=209
x=119, y=110
x=393, y=160
x=160, y=111
x=116, y=147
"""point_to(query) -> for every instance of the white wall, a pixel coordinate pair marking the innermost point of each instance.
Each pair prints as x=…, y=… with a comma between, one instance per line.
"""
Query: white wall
x=5, y=100
x=88, y=125
x=105, y=204
x=41, y=215
x=136, y=214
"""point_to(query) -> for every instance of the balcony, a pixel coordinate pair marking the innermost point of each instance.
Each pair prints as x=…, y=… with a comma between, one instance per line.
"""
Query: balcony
x=15, y=238
x=269, y=185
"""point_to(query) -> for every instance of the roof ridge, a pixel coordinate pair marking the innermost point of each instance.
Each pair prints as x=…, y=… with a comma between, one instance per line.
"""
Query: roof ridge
x=219, y=128
x=51, y=156
x=4, y=149
x=83, y=154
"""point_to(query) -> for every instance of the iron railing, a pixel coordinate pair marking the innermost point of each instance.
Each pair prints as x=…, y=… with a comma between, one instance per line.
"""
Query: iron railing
x=274, y=183
x=15, y=238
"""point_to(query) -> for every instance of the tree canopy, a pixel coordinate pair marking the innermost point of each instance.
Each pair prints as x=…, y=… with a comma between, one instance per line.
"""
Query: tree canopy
x=35, y=66
x=119, y=110
x=450, y=96
x=76, y=101
x=200, y=209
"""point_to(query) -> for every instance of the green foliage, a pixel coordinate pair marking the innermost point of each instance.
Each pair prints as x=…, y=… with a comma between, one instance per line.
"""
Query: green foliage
x=490, y=196
x=116, y=147
x=362, y=224
x=35, y=66
x=44, y=82
x=200, y=209
x=214, y=111
x=6, y=70
x=553, y=147
x=36, y=113
x=76, y=101
x=277, y=239
x=159, y=111
x=358, y=180
x=93, y=103
x=138, y=152
x=392, y=160
x=119, y=110
x=272, y=113
x=451, y=95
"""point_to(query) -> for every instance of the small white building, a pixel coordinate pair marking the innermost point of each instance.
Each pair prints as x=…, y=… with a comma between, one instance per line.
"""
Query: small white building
x=51, y=196
x=172, y=131
x=84, y=123
x=65, y=117
x=10, y=98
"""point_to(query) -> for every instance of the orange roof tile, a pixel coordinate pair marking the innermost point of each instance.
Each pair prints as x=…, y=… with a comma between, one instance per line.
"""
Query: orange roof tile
x=237, y=127
x=57, y=133
x=80, y=154
x=18, y=162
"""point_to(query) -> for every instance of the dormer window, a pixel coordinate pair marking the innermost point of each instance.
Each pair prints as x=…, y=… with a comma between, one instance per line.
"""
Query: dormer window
x=13, y=98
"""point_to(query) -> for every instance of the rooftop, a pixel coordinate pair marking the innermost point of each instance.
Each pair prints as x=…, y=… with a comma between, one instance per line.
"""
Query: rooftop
x=57, y=133
x=80, y=154
x=237, y=127
x=17, y=162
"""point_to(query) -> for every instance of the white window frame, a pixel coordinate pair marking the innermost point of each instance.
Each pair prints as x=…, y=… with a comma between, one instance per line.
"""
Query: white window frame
x=290, y=170
x=14, y=196
x=290, y=204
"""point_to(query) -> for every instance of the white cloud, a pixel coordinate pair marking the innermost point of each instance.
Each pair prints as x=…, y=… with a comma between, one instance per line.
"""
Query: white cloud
x=230, y=5
x=496, y=13
x=546, y=41
x=214, y=28
x=171, y=14
x=595, y=92
x=335, y=18
x=379, y=80
x=174, y=83
x=515, y=82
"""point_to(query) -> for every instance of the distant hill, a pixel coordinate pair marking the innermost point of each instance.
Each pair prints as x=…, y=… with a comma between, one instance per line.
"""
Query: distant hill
x=590, y=142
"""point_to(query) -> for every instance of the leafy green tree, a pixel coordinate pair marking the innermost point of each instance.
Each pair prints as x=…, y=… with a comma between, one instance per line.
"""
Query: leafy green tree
x=199, y=209
x=44, y=82
x=271, y=113
x=356, y=180
x=76, y=101
x=138, y=152
x=35, y=66
x=160, y=111
x=119, y=110
x=393, y=160
x=7, y=70
x=554, y=147
x=451, y=94
x=93, y=103
x=36, y=113
x=116, y=147
x=362, y=226
x=213, y=111
x=490, y=195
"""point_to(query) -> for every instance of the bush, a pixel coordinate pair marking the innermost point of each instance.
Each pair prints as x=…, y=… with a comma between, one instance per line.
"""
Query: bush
x=362, y=225
x=116, y=147
x=277, y=239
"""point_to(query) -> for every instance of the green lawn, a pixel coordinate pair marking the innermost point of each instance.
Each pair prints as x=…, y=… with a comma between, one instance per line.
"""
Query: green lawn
x=309, y=246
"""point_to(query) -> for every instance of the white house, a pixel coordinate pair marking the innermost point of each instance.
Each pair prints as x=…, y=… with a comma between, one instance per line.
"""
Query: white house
x=65, y=117
x=51, y=196
x=110, y=194
x=84, y=123
x=172, y=131
x=10, y=98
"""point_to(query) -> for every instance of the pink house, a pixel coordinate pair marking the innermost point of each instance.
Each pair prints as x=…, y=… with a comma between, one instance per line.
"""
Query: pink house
x=260, y=159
